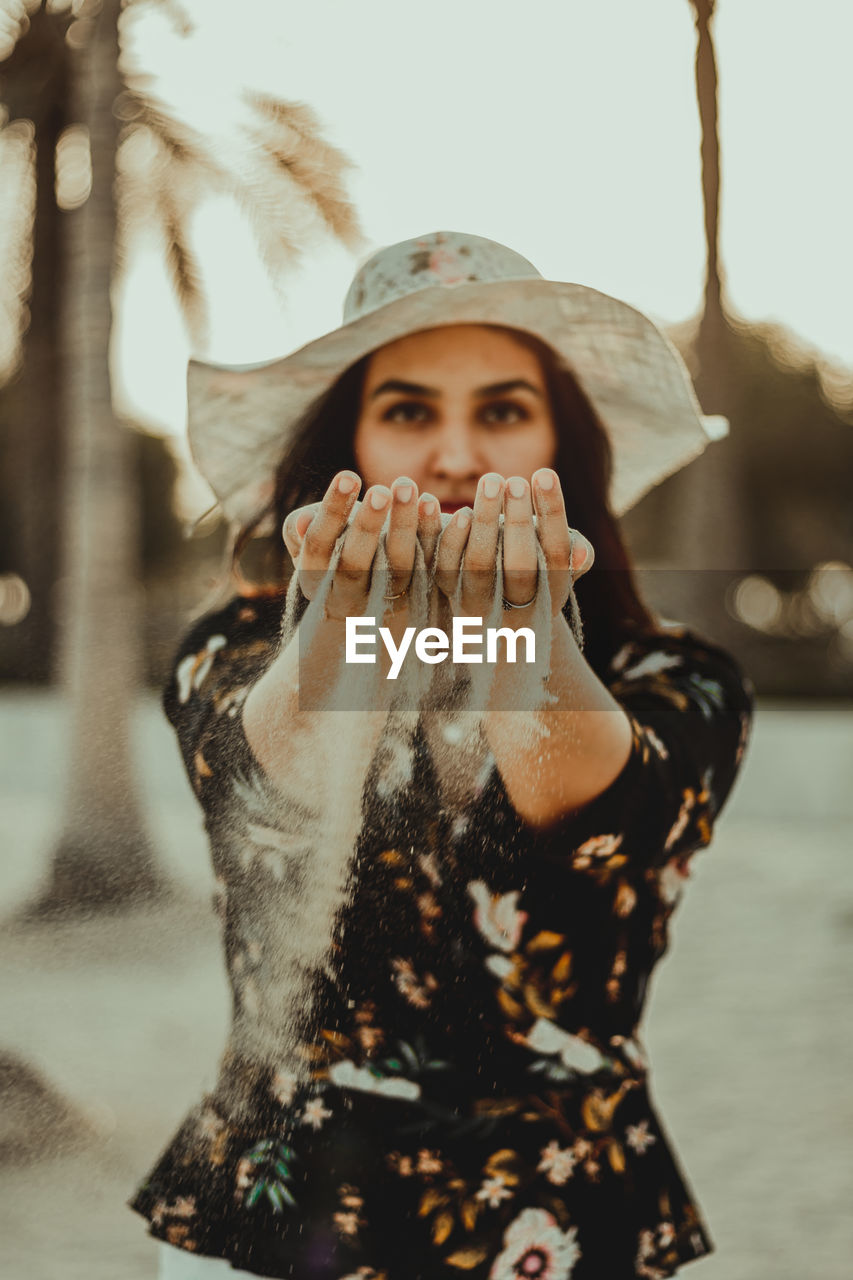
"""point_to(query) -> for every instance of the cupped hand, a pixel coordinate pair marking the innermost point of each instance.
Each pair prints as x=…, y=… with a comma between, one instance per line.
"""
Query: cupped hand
x=467, y=549
x=310, y=534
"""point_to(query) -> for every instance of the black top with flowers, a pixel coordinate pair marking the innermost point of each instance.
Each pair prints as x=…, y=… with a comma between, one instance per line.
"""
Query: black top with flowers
x=476, y=1102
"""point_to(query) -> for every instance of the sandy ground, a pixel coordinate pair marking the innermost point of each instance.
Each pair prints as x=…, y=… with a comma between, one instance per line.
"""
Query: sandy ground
x=749, y=1023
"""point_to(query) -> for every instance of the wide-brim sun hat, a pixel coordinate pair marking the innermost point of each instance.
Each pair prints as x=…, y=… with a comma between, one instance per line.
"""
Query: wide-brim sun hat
x=241, y=419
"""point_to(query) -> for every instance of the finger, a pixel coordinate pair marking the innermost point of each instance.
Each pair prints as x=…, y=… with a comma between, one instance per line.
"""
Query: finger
x=481, y=551
x=402, y=533
x=552, y=526
x=519, y=549
x=478, y=570
x=450, y=550
x=567, y=552
x=329, y=522
x=294, y=528
x=351, y=584
x=429, y=526
x=583, y=554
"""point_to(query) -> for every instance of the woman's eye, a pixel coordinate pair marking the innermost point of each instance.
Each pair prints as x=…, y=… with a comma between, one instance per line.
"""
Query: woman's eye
x=503, y=412
x=407, y=411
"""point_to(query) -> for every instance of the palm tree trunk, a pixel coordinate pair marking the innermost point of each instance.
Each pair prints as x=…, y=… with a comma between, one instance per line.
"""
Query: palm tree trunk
x=707, y=89
x=36, y=88
x=104, y=857
x=713, y=383
x=703, y=509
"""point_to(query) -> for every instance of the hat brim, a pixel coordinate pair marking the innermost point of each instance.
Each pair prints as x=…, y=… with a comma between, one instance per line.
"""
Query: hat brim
x=242, y=419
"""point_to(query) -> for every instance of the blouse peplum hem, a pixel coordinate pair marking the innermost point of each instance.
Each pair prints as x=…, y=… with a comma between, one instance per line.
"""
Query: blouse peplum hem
x=368, y=1184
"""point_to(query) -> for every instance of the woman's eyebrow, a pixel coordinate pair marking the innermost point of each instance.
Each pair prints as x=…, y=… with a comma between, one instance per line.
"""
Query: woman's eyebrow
x=397, y=386
x=404, y=388
x=503, y=388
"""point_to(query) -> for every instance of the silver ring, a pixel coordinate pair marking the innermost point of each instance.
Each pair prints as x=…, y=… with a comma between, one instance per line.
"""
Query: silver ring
x=509, y=605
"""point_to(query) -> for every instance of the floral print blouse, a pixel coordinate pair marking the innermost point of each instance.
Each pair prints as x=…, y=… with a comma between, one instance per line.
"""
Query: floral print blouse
x=477, y=1100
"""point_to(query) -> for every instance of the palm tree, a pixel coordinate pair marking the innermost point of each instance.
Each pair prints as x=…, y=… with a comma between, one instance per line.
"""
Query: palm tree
x=713, y=326
x=700, y=510
x=104, y=855
x=35, y=93
x=284, y=171
x=790, y=415
x=712, y=491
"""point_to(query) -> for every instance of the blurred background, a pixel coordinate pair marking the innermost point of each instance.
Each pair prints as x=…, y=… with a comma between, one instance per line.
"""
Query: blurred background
x=195, y=178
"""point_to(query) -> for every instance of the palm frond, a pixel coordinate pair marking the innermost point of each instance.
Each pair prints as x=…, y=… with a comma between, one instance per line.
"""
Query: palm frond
x=157, y=192
x=183, y=144
x=184, y=272
x=271, y=159
x=290, y=134
x=283, y=176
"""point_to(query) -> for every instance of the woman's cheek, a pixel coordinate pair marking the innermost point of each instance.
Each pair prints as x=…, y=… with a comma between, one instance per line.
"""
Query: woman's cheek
x=382, y=456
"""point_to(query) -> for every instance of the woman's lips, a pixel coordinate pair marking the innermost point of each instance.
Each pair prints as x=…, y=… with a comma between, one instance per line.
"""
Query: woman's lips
x=450, y=507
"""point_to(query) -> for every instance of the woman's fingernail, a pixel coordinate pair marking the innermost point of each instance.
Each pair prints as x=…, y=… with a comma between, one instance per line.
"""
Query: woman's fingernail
x=346, y=484
x=429, y=505
x=463, y=518
x=517, y=487
x=403, y=492
x=379, y=499
x=545, y=480
x=491, y=486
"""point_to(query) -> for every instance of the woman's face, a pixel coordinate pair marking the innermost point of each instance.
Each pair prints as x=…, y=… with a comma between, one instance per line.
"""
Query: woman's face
x=446, y=405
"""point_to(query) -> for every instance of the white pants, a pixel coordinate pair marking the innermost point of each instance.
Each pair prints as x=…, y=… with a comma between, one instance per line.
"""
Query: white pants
x=178, y=1264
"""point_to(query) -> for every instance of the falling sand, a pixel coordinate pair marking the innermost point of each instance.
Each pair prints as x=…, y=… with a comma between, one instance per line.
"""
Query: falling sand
x=370, y=725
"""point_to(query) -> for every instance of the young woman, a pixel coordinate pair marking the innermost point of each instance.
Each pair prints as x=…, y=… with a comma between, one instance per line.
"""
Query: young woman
x=443, y=894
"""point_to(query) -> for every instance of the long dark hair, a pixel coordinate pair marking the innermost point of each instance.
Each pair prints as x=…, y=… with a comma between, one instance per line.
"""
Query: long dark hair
x=608, y=597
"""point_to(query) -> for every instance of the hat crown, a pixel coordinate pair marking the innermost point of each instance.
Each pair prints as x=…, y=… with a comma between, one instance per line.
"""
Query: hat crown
x=443, y=259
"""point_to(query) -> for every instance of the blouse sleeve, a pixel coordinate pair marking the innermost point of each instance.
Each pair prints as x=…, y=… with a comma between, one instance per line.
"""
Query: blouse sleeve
x=215, y=667
x=690, y=706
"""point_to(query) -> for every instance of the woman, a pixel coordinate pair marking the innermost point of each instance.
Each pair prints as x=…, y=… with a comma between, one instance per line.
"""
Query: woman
x=443, y=894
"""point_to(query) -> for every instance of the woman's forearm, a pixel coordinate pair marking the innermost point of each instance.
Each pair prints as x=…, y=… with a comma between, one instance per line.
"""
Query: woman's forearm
x=293, y=727
x=295, y=732
x=585, y=740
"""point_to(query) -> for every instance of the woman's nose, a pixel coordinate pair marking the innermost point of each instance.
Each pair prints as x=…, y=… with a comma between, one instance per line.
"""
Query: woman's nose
x=455, y=454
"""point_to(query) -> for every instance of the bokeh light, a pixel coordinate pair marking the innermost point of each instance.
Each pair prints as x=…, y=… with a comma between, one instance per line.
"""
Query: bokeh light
x=73, y=167
x=757, y=602
x=823, y=607
x=15, y=599
x=830, y=590
x=17, y=202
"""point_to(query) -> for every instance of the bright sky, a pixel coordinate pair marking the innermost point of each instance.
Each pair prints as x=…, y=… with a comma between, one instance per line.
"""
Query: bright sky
x=565, y=128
